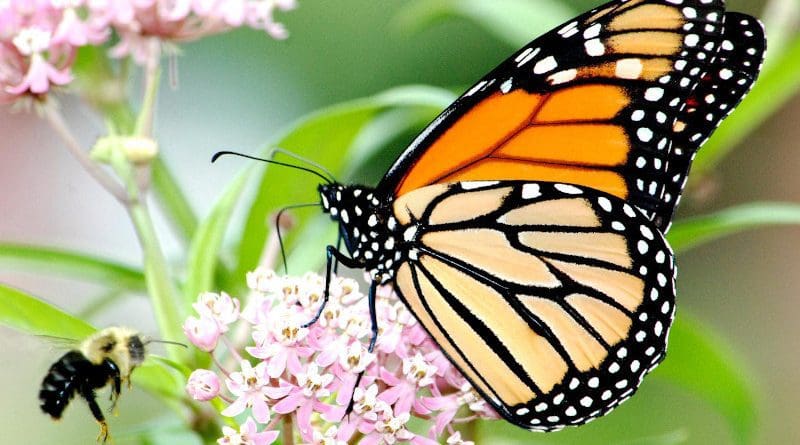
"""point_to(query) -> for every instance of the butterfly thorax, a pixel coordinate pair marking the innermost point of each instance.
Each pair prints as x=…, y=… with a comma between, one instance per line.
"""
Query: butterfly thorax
x=366, y=225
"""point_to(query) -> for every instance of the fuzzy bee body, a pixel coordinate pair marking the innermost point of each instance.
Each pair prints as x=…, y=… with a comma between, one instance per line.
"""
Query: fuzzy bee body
x=107, y=356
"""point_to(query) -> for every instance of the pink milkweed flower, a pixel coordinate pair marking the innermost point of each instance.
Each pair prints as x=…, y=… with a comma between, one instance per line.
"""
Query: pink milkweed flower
x=332, y=436
x=419, y=371
x=203, y=385
x=303, y=371
x=39, y=39
x=252, y=388
x=73, y=31
x=247, y=435
x=202, y=332
x=279, y=341
x=391, y=428
x=263, y=280
x=33, y=42
x=455, y=439
x=220, y=307
x=304, y=398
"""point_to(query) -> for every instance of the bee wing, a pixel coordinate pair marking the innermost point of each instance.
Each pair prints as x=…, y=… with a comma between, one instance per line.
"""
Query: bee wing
x=59, y=343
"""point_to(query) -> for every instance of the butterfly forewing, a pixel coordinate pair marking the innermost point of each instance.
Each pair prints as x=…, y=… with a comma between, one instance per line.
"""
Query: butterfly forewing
x=554, y=300
x=592, y=102
x=726, y=83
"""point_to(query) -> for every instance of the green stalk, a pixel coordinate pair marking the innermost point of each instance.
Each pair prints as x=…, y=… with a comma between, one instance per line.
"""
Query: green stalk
x=172, y=202
x=169, y=313
x=167, y=306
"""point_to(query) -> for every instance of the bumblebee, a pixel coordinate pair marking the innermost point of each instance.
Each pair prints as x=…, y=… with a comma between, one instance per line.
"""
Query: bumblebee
x=107, y=356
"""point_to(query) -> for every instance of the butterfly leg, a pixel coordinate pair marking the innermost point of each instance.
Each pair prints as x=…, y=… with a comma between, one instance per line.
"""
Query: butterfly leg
x=373, y=318
x=332, y=254
x=339, y=249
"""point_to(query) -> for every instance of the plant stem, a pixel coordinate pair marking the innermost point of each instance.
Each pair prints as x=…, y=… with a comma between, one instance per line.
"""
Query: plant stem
x=56, y=121
x=152, y=75
x=287, y=433
x=172, y=202
x=168, y=312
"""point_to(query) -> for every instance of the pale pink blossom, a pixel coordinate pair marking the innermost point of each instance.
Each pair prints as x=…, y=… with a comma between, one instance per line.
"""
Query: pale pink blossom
x=278, y=341
x=304, y=399
x=39, y=39
x=332, y=436
x=455, y=439
x=220, y=307
x=252, y=389
x=310, y=372
x=203, y=385
x=203, y=332
x=247, y=435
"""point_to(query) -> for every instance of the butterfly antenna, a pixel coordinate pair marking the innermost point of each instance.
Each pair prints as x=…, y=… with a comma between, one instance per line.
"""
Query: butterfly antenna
x=296, y=156
x=219, y=154
x=278, y=228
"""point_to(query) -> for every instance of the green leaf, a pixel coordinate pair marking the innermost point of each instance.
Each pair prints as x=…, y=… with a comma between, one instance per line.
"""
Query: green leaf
x=30, y=315
x=778, y=82
x=514, y=21
x=325, y=137
x=703, y=364
x=159, y=379
x=207, y=243
x=71, y=265
x=688, y=233
x=173, y=201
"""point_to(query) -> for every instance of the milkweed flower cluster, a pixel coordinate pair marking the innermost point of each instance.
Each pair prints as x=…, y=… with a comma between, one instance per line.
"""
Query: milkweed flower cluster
x=273, y=369
x=39, y=39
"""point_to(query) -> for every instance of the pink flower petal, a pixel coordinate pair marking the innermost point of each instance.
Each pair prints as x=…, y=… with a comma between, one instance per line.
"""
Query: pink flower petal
x=304, y=422
x=290, y=402
x=260, y=410
x=234, y=409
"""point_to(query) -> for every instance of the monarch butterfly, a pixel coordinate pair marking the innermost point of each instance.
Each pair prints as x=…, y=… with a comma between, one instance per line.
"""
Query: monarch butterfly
x=524, y=226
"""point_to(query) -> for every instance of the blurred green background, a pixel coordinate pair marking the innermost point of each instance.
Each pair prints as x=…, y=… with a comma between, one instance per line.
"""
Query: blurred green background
x=237, y=91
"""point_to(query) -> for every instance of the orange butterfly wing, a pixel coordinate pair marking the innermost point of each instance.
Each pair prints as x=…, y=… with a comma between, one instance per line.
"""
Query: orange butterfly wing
x=592, y=103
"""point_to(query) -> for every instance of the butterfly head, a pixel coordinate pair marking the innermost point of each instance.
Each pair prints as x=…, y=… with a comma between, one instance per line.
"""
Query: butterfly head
x=365, y=224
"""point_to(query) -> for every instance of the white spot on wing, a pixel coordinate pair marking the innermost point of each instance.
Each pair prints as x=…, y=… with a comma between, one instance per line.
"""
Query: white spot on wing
x=594, y=47
x=527, y=58
x=476, y=88
x=592, y=31
x=505, y=87
x=563, y=76
x=545, y=65
x=472, y=185
x=629, y=68
x=568, y=189
x=530, y=191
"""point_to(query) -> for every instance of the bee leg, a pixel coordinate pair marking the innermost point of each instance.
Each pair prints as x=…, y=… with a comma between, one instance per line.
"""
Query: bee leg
x=373, y=318
x=116, y=388
x=89, y=396
x=104, y=436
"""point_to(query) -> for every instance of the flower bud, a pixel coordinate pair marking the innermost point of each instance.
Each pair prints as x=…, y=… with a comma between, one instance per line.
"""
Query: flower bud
x=203, y=332
x=203, y=385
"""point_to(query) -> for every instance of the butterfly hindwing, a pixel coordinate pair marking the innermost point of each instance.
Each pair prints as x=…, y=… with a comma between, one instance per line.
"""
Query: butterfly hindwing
x=554, y=300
